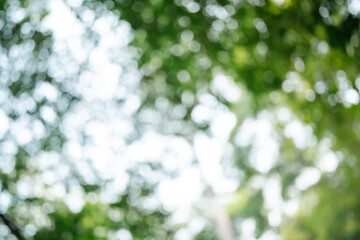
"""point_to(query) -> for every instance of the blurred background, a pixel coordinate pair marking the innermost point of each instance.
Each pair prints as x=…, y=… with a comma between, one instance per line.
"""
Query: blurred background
x=185, y=119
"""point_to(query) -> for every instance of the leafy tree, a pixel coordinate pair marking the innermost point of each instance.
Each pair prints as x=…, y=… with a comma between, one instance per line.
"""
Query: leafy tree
x=292, y=63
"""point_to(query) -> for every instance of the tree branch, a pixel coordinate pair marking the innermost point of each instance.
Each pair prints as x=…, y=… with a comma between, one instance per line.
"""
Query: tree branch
x=11, y=225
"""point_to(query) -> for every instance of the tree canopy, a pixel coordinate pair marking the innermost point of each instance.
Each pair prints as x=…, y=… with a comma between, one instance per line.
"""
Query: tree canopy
x=105, y=104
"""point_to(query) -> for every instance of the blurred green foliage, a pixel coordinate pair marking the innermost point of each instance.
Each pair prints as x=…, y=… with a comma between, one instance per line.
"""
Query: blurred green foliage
x=299, y=55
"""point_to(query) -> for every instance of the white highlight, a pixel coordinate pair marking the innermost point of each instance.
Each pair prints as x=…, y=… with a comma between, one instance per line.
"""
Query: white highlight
x=308, y=177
